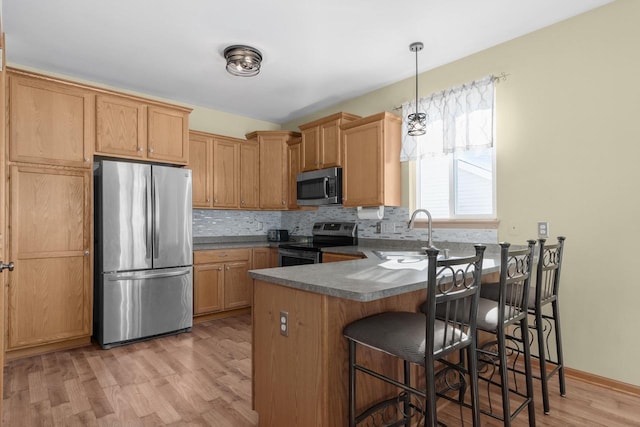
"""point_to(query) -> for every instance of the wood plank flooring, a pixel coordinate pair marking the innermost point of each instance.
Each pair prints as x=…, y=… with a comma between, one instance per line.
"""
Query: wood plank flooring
x=203, y=378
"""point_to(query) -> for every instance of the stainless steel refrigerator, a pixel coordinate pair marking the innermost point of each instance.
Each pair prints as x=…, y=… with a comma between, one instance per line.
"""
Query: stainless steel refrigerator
x=144, y=277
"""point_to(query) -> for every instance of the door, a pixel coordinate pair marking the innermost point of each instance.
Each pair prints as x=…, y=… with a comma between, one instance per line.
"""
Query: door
x=171, y=195
x=200, y=163
x=168, y=134
x=145, y=303
x=237, y=285
x=226, y=173
x=124, y=216
x=208, y=288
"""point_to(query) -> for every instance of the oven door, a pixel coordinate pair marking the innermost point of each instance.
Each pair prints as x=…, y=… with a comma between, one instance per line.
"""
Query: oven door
x=289, y=257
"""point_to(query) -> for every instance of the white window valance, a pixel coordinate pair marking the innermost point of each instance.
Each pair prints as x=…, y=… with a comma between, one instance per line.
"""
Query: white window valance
x=458, y=119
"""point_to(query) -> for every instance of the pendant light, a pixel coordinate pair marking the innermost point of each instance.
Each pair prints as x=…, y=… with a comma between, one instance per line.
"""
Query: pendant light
x=417, y=124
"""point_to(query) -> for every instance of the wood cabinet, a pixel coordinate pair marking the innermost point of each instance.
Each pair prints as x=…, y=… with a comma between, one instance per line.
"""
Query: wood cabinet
x=50, y=122
x=50, y=292
x=135, y=128
x=249, y=175
x=274, y=170
x=335, y=257
x=371, y=161
x=201, y=165
x=226, y=172
x=293, y=160
x=221, y=280
x=264, y=258
x=321, y=141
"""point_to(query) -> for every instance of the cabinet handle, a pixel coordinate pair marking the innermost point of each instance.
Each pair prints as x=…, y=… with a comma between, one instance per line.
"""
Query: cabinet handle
x=7, y=266
x=219, y=268
x=139, y=148
x=208, y=200
x=227, y=267
x=283, y=203
x=86, y=252
x=86, y=160
x=151, y=150
x=215, y=200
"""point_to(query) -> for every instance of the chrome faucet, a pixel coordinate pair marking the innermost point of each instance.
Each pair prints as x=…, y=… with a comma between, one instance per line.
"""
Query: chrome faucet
x=429, y=225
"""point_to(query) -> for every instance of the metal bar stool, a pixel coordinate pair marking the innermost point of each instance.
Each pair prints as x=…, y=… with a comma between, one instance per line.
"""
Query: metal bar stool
x=546, y=293
x=505, y=315
x=421, y=339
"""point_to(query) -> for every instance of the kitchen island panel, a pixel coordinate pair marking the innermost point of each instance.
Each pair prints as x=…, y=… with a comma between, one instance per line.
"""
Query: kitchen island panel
x=302, y=379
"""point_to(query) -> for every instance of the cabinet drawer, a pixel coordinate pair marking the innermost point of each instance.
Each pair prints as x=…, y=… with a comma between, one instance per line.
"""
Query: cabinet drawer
x=221, y=255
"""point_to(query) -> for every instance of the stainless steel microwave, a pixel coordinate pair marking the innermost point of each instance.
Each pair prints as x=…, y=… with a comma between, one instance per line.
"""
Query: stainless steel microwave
x=320, y=187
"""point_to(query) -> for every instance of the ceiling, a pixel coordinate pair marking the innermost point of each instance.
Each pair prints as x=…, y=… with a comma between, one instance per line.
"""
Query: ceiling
x=316, y=53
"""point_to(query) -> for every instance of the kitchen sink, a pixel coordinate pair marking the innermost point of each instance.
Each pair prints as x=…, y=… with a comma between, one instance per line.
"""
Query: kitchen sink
x=408, y=255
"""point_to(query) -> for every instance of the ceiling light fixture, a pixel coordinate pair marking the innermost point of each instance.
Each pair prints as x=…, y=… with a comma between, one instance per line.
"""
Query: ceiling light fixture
x=417, y=124
x=243, y=61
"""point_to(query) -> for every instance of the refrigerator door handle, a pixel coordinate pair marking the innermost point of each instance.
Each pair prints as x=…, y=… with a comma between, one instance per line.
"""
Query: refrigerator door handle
x=148, y=218
x=146, y=275
x=156, y=219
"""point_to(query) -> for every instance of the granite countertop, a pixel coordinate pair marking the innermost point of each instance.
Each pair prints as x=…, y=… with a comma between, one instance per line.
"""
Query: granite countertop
x=367, y=279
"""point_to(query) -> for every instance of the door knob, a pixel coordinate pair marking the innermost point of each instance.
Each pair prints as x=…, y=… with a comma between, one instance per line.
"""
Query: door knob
x=7, y=266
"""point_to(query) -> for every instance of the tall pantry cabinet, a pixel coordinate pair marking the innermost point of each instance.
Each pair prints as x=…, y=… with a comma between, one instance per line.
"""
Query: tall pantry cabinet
x=51, y=136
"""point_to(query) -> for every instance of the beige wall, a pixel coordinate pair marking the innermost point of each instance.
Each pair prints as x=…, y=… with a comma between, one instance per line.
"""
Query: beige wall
x=568, y=152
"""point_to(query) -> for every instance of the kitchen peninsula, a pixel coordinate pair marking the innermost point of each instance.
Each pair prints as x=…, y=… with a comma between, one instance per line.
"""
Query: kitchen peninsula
x=300, y=369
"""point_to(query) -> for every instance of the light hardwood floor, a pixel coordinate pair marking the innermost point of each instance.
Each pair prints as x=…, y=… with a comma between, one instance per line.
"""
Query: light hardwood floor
x=203, y=378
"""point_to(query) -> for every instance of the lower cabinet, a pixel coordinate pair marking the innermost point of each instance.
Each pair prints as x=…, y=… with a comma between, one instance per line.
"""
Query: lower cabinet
x=221, y=281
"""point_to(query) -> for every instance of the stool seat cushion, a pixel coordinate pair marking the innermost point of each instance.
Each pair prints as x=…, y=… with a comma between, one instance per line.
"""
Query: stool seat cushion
x=401, y=334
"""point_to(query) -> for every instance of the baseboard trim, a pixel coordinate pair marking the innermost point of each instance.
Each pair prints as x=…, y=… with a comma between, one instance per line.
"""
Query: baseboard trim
x=615, y=385
x=221, y=315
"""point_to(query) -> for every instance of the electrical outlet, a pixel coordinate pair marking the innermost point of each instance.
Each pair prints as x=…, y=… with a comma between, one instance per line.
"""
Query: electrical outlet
x=543, y=230
x=378, y=227
x=284, y=323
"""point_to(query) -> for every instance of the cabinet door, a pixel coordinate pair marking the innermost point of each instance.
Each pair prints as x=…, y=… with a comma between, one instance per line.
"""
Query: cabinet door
x=249, y=175
x=274, y=179
x=294, y=157
x=330, y=153
x=121, y=127
x=50, y=123
x=261, y=258
x=226, y=173
x=50, y=292
x=168, y=135
x=237, y=285
x=200, y=163
x=363, y=165
x=208, y=280
x=310, y=149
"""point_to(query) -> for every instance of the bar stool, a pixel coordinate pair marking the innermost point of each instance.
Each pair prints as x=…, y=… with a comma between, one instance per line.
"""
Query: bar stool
x=506, y=317
x=421, y=339
x=546, y=293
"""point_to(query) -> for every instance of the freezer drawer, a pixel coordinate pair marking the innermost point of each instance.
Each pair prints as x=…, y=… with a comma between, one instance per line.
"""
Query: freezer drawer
x=135, y=305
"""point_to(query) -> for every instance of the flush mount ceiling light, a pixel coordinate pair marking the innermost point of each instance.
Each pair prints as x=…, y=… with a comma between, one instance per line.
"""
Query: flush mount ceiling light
x=417, y=124
x=243, y=61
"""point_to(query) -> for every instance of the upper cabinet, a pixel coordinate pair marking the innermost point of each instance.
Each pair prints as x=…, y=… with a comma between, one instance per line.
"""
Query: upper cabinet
x=50, y=122
x=201, y=165
x=249, y=175
x=274, y=169
x=321, y=141
x=371, y=161
x=134, y=128
x=224, y=171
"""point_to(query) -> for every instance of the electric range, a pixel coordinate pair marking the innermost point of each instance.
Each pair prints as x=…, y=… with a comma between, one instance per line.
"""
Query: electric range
x=325, y=235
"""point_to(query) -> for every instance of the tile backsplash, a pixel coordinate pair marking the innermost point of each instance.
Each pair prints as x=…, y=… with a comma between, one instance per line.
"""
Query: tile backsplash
x=393, y=225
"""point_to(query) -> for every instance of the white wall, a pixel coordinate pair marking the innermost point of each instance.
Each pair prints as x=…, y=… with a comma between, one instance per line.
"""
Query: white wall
x=568, y=147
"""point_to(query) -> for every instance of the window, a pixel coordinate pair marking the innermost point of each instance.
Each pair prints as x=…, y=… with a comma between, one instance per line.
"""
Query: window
x=455, y=173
